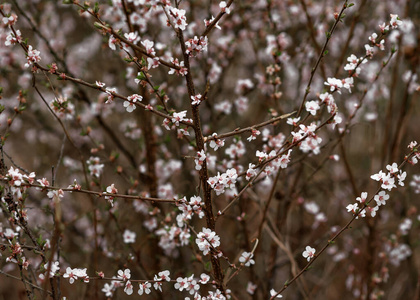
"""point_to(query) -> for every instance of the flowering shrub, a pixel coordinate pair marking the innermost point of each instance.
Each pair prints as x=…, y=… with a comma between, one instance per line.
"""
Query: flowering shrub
x=209, y=149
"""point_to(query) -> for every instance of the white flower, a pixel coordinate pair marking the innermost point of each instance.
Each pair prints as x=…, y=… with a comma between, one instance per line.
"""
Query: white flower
x=144, y=288
x=309, y=253
x=246, y=259
x=124, y=275
x=381, y=198
x=312, y=107
x=205, y=237
x=129, y=236
x=273, y=292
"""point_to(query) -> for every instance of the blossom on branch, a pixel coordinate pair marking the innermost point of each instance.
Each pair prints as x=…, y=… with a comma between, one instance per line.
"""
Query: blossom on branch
x=309, y=253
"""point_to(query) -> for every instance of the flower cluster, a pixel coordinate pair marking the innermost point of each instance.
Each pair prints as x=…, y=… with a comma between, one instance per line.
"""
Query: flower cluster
x=274, y=164
x=16, y=179
x=13, y=38
x=196, y=45
x=109, y=191
x=235, y=150
x=182, y=70
x=95, y=167
x=312, y=142
x=130, y=105
x=63, y=108
x=225, y=181
x=387, y=181
x=216, y=143
x=206, y=240
x=188, y=209
x=74, y=274
x=178, y=18
x=32, y=57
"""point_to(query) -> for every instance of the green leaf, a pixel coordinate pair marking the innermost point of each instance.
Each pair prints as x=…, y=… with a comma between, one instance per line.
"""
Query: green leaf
x=141, y=76
x=23, y=107
x=350, y=5
x=96, y=8
x=83, y=132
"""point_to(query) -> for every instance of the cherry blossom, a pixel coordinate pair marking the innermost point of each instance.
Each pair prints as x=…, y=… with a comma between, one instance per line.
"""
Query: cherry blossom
x=246, y=259
x=207, y=239
x=124, y=275
x=250, y=288
x=33, y=56
x=13, y=38
x=354, y=208
x=129, y=236
x=132, y=37
x=362, y=198
x=130, y=104
x=12, y=19
x=312, y=107
x=335, y=84
x=128, y=289
x=224, y=7
x=144, y=288
x=395, y=21
x=273, y=293
x=196, y=100
x=112, y=42
x=381, y=198
x=178, y=18
x=309, y=253
x=415, y=184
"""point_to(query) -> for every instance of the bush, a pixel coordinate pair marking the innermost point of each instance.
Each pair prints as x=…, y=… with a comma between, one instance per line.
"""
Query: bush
x=209, y=149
